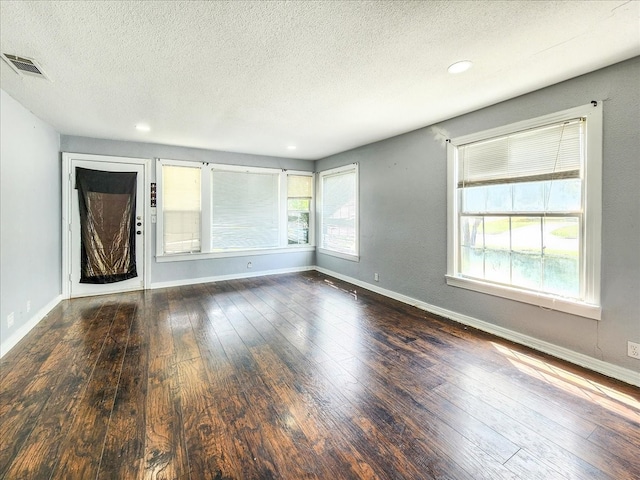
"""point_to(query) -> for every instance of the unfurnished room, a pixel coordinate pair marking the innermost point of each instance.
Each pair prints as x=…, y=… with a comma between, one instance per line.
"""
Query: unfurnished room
x=320, y=239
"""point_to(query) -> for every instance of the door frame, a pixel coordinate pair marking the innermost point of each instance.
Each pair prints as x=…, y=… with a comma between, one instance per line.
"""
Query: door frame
x=67, y=191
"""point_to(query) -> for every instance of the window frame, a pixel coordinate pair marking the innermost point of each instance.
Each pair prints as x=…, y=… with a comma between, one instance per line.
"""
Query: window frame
x=159, y=208
x=312, y=209
x=207, y=252
x=319, y=208
x=591, y=174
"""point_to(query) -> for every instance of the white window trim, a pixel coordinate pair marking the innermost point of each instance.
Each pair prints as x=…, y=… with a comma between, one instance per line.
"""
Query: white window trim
x=320, y=248
x=205, y=221
x=592, y=223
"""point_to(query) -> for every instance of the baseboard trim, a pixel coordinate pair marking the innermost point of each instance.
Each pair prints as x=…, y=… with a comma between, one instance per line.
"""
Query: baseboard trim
x=600, y=366
x=22, y=331
x=235, y=276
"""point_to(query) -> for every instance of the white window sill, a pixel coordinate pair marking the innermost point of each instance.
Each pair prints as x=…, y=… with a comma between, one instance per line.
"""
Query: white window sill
x=344, y=256
x=181, y=257
x=539, y=299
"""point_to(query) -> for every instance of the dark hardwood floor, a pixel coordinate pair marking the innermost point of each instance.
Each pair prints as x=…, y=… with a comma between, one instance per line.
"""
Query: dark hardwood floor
x=297, y=376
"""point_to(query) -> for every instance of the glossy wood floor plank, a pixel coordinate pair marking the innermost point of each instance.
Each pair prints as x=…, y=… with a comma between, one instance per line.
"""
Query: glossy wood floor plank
x=298, y=376
x=123, y=452
x=80, y=453
x=63, y=372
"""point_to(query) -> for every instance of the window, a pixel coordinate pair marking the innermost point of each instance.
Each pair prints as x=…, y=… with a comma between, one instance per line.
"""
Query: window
x=339, y=212
x=299, y=201
x=221, y=210
x=244, y=209
x=180, y=209
x=524, y=211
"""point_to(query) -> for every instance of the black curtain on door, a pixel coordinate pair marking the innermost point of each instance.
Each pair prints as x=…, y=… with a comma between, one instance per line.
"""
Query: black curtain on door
x=107, y=203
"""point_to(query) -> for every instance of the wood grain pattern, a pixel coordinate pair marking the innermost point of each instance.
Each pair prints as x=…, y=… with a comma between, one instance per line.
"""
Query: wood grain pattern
x=298, y=376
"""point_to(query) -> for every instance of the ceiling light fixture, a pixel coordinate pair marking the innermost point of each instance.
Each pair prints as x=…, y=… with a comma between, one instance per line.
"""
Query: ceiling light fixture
x=291, y=147
x=460, y=67
x=143, y=127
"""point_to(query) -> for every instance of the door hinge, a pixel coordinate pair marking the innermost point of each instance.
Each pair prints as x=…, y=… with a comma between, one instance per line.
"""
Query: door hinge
x=69, y=277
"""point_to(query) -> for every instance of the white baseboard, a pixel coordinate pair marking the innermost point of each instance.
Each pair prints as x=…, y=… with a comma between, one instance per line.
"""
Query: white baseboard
x=235, y=276
x=24, y=329
x=608, y=369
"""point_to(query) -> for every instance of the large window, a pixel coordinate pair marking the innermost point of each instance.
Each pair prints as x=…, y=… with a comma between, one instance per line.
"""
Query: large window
x=339, y=212
x=525, y=211
x=210, y=210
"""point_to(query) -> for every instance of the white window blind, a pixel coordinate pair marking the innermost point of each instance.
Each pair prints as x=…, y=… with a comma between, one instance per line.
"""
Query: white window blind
x=339, y=211
x=244, y=210
x=549, y=153
x=299, y=186
x=181, y=209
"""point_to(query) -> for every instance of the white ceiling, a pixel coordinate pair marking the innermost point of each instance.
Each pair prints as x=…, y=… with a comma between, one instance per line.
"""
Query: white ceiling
x=326, y=76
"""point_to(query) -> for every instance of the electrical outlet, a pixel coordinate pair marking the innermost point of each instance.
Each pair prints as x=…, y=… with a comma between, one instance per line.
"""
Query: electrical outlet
x=633, y=350
x=10, y=320
x=249, y=265
x=376, y=277
x=28, y=306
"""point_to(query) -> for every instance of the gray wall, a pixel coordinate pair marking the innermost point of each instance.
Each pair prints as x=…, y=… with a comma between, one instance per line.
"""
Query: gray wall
x=167, y=272
x=403, y=221
x=30, y=209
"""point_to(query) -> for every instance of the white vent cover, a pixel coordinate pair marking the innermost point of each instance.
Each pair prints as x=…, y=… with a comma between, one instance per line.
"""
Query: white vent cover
x=24, y=65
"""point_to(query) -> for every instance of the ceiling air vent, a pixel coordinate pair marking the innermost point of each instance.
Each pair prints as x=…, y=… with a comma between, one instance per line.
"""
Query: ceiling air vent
x=24, y=65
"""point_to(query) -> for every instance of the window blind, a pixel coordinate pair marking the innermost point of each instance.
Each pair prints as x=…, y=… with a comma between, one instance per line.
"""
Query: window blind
x=339, y=212
x=181, y=209
x=544, y=153
x=299, y=186
x=244, y=209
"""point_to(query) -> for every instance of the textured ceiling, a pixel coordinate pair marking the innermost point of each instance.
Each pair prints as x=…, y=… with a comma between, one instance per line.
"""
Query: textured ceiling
x=325, y=76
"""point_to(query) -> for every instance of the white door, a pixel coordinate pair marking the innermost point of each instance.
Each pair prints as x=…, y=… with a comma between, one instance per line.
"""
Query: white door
x=79, y=286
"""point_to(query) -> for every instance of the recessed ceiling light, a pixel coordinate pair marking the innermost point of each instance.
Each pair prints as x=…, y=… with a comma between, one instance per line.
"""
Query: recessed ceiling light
x=143, y=127
x=291, y=147
x=460, y=67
